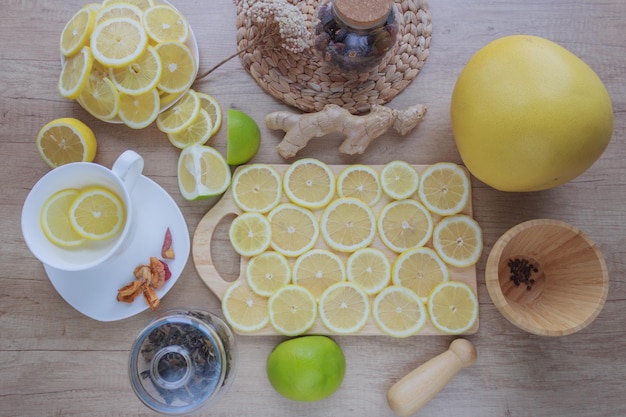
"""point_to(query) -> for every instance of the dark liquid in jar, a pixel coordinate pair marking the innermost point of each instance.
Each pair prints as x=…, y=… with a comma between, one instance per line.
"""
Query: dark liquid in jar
x=350, y=49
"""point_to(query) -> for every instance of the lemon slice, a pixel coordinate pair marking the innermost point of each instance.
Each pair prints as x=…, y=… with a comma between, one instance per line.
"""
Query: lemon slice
x=141, y=4
x=370, y=269
x=444, y=188
x=359, y=181
x=453, y=307
x=75, y=74
x=256, y=188
x=419, y=269
x=75, y=34
x=116, y=10
x=250, y=234
x=403, y=224
x=458, y=240
x=181, y=115
x=244, y=310
x=318, y=269
x=212, y=107
x=294, y=229
x=398, y=312
x=198, y=132
x=202, y=172
x=344, y=308
x=179, y=67
x=164, y=23
x=309, y=183
x=292, y=310
x=140, y=76
x=66, y=140
x=348, y=224
x=100, y=98
x=268, y=272
x=118, y=42
x=55, y=221
x=97, y=213
x=399, y=180
x=141, y=110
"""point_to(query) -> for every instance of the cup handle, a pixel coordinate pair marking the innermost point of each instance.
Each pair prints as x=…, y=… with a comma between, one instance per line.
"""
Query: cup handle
x=128, y=166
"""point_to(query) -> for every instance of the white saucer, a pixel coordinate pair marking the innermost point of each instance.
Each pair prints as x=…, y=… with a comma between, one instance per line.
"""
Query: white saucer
x=93, y=292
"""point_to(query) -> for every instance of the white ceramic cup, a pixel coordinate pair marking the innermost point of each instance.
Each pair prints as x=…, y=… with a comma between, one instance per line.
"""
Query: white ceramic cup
x=120, y=179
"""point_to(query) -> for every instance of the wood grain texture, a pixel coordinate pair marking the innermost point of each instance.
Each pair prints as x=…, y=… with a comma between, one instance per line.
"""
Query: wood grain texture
x=56, y=362
x=214, y=227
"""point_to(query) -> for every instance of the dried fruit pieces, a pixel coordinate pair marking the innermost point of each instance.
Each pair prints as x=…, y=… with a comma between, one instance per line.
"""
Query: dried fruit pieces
x=150, y=277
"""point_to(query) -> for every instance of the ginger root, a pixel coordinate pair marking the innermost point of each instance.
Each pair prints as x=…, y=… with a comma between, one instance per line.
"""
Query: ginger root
x=359, y=131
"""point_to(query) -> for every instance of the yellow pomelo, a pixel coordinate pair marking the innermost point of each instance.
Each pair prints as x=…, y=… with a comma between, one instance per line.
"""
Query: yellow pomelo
x=529, y=115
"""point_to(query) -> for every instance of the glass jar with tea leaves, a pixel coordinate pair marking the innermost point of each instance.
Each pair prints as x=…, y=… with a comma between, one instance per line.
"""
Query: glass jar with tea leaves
x=182, y=361
x=355, y=35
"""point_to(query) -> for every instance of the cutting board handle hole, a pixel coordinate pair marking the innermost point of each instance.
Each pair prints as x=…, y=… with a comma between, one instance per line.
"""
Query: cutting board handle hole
x=225, y=260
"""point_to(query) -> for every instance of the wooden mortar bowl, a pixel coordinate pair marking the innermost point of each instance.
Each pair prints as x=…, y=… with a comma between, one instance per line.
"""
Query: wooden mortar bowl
x=560, y=281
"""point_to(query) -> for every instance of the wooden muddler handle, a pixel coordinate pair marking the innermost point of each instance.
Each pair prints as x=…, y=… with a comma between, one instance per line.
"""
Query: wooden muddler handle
x=414, y=390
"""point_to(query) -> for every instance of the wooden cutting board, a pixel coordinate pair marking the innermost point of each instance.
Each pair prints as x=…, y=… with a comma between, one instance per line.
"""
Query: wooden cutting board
x=211, y=244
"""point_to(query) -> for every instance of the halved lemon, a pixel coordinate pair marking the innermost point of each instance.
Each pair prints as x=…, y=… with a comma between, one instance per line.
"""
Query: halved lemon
x=256, y=188
x=118, y=42
x=292, y=310
x=458, y=240
x=179, y=67
x=66, y=140
x=75, y=74
x=399, y=312
x=202, y=172
x=318, y=269
x=419, y=269
x=97, y=213
x=348, y=224
x=164, y=23
x=197, y=133
x=243, y=309
x=294, y=229
x=309, y=183
x=444, y=188
x=359, y=181
x=181, y=115
x=344, y=308
x=399, y=180
x=55, y=221
x=370, y=269
x=140, y=76
x=268, y=272
x=404, y=224
x=141, y=110
x=250, y=234
x=75, y=34
x=453, y=307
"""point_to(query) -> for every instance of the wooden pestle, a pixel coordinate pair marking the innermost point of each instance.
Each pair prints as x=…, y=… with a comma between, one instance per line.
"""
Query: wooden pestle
x=418, y=387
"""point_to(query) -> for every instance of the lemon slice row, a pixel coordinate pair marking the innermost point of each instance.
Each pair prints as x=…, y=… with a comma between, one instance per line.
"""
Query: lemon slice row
x=345, y=308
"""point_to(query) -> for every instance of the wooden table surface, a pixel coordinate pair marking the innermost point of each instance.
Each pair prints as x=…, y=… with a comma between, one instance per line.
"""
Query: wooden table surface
x=55, y=361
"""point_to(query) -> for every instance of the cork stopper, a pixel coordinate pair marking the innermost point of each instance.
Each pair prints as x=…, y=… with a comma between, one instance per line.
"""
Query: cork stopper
x=363, y=14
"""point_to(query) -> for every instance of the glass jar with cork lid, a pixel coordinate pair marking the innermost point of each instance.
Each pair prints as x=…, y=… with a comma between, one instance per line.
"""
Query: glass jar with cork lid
x=355, y=35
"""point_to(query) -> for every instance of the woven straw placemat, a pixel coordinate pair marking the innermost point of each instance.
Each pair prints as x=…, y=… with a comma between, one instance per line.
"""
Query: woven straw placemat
x=304, y=81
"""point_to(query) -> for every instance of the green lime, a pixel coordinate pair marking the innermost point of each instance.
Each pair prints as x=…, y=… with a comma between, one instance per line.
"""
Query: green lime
x=244, y=137
x=307, y=368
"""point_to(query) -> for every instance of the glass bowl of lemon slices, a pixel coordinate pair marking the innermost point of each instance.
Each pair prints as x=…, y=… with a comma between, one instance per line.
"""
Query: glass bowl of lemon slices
x=125, y=61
